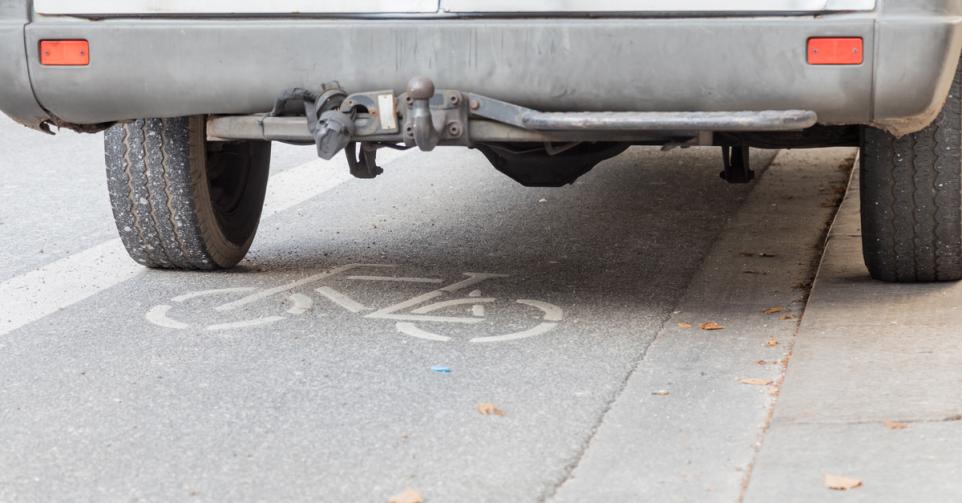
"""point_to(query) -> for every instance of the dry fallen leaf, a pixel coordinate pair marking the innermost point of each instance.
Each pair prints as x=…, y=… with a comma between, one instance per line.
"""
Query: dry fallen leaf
x=407, y=496
x=773, y=310
x=895, y=425
x=772, y=342
x=661, y=392
x=489, y=409
x=840, y=483
x=684, y=325
x=787, y=317
x=756, y=381
x=710, y=325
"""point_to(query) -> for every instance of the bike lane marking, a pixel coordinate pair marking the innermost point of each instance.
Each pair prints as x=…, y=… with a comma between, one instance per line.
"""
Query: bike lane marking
x=551, y=311
x=341, y=300
x=300, y=304
x=473, y=278
x=263, y=294
x=552, y=315
x=158, y=316
x=216, y=291
x=256, y=322
x=524, y=334
x=454, y=302
x=396, y=278
x=389, y=313
x=36, y=294
x=411, y=329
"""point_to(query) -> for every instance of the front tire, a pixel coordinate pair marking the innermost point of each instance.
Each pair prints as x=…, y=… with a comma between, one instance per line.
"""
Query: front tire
x=911, y=195
x=179, y=201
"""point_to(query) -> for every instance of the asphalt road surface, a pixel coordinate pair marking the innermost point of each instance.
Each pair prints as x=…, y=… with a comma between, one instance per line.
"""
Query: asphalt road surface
x=349, y=357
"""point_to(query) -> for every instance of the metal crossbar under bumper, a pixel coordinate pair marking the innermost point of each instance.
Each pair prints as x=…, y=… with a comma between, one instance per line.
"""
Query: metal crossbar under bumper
x=426, y=117
x=768, y=120
x=534, y=126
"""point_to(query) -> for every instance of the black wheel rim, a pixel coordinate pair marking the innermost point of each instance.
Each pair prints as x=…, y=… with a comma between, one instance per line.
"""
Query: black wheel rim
x=236, y=178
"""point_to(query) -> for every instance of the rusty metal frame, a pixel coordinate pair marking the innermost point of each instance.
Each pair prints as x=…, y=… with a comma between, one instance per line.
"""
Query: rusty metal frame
x=482, y=119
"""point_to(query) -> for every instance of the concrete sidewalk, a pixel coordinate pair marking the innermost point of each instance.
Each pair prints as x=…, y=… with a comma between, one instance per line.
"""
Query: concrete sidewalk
x=687, y=424
x=873, y=390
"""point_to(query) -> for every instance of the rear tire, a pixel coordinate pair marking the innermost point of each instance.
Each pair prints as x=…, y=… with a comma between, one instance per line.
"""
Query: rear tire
x=911, y=195
x=179, y=201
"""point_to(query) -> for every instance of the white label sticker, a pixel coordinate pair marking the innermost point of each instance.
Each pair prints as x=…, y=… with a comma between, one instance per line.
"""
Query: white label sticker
x=385, y=111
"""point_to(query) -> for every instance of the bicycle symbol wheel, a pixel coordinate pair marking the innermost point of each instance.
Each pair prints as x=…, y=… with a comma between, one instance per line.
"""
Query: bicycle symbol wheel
x=550, y=318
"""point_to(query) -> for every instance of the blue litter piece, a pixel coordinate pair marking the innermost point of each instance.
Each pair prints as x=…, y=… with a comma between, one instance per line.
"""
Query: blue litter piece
x=441, y=369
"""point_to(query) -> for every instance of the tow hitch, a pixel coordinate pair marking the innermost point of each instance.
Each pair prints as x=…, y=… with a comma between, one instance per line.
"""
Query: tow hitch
x=331, y=128
x=533, y=147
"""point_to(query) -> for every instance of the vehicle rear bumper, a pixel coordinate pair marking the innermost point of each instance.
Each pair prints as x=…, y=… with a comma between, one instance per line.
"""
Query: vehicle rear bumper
x=174, y=67
x=16, y=94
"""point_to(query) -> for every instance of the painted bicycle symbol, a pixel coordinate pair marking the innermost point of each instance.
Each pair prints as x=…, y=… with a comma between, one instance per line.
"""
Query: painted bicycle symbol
x=414, y=317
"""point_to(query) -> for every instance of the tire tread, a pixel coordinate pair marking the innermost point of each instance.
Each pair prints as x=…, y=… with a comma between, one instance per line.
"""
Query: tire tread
x=911, y=194
x=157, y=183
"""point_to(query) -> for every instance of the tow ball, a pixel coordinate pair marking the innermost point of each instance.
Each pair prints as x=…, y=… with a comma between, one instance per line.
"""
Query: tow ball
x=426, y=125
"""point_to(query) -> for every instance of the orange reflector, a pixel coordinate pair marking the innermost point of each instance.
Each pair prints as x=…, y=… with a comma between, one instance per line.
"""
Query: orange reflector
x=64, y=52
x=835, y=51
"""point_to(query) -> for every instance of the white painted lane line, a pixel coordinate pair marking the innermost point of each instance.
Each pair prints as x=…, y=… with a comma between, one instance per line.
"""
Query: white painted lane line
x=34, y=295
x=31, y=296
x=305, y=182
x=298, y=185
